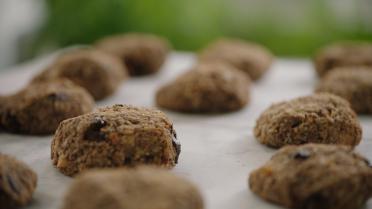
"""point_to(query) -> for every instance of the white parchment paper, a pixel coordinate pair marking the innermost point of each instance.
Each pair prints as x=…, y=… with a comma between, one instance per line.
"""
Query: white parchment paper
x=218, y=151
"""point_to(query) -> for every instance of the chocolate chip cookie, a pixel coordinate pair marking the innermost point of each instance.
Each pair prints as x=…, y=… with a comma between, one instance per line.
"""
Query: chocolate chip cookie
x=98, y=72
x=115, y=136
x=206, y=88
x=314, y=176
x=349, y=54
x=17, y=183
x=319, y=118
x=251, y=58
x=142, y=54
x=139, y=188
x=40, y=107
x=351, y=83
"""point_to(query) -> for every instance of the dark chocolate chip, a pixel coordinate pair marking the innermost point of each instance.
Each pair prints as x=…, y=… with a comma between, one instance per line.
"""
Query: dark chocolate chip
x=176, y=144
x=11, y=122
x=367, y=162
x=12, y=184
x=302, y=155
x=58, y=96
x=316, y=201
x=93, y=132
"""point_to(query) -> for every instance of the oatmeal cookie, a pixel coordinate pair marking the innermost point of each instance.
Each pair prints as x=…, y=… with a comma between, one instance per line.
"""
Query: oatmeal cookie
x=117, y=136
x=314, y=176
x=319, y=118
x=206, y=88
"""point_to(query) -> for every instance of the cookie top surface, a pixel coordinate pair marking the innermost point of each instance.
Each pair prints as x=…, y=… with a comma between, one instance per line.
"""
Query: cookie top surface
x=207, y=87
x=17, y=182
x=319, y=118
x=342, y=55
x=249, y=57
x=314, y=176
x=142, y=188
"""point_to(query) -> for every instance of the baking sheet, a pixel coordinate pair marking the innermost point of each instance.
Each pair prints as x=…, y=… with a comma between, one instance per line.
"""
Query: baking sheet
x=218, y=151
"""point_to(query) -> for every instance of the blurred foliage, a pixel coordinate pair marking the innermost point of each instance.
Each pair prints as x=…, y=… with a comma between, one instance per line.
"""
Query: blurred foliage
x=289, y=27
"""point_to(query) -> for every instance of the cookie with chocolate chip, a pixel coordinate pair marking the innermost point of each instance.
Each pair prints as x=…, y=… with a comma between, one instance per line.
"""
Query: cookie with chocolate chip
x=98, y=72
x=206, y=88
x=140, y=188
x=17, y=183
x=351, y=83
x=314, y=176
x=40, y=107
x=319, y=118
x=117, y=136
x=347, y=54
x=250, y=58
x=142, y=54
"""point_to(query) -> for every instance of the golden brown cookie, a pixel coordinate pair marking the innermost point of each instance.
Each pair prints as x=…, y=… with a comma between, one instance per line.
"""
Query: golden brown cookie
x=319, y=118
x=98, y=72
x=117, y=136
x=314, y=176
x=17, y=183
x=139, y=188
x=348, y=54
x=40, y=107
x=142, y=54
x=351, y=83
x=206, y=88
x=251, y=58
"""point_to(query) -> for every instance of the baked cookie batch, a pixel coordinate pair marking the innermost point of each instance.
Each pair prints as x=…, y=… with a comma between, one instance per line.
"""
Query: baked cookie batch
x=120, y=155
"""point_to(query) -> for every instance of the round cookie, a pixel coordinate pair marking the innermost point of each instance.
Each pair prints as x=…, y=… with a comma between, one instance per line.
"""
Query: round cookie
x=351, y=83
x=40, y=107
x=319, y=118
x=206, y=88
x=115, y=136
x=17, y=183
x=98, y=72
x=251, y=58
x=349, y=54
x=314, y=176
x=139, y=188
x=142, y=54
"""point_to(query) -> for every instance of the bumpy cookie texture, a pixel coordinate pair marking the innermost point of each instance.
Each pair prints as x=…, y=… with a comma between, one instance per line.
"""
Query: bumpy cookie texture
x=347, y=54
x=40, y=107
x=140, y=188
x=115, y=136
x=251, y=58
x=98, y=72
x=142, y=54
x=314, y=176
x=17, y=183
x=207, y=88
x=319, y=118
x=351, y=83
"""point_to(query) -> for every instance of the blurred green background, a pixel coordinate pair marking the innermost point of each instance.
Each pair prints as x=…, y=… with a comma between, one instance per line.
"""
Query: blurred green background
x=287, y=27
